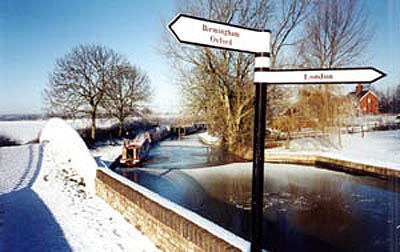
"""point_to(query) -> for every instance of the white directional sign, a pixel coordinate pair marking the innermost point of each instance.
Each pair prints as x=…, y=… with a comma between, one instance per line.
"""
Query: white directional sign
x=319, y=76
x=198, y=31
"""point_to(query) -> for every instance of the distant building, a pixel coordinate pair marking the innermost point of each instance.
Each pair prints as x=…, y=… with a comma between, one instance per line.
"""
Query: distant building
x=366, y=101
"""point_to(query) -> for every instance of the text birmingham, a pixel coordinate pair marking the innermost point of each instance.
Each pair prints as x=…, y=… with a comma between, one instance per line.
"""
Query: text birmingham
x=224, y=32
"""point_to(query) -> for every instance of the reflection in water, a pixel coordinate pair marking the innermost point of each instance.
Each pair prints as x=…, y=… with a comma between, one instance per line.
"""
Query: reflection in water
x=183, y=157
x=305, y=208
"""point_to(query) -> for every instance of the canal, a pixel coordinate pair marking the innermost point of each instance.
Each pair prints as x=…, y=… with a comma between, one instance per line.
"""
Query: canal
x=305, y=208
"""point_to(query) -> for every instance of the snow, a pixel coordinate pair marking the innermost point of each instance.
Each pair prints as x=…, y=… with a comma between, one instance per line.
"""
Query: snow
x=107, y=154
x=21, y=131
x=70, y=150
x=208, y=138
x=26, y=130
x=89, y=223
x=44, y=207
x=375, y=147
x=379, y=148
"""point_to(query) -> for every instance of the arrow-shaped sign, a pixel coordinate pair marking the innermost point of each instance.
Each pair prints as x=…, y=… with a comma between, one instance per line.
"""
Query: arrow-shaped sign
x=319, y=76
x=198, y=31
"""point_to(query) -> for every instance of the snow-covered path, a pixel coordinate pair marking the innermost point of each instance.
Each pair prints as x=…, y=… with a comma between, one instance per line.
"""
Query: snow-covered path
x=28, y=225
x=19, y=166
x=43, y=208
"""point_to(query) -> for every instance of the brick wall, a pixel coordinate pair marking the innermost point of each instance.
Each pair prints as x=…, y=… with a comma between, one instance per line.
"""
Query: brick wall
x=167, y=229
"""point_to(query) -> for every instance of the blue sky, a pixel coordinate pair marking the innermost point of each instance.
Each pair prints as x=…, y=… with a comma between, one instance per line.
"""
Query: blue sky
x=33, y=34
x=384, y=50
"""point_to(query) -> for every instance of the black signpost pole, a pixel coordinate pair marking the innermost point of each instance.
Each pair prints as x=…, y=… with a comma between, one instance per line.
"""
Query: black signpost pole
x=262, y=65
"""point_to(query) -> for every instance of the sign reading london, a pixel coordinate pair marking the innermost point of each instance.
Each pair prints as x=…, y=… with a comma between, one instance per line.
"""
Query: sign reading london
x=320, y=76
x=198, y=31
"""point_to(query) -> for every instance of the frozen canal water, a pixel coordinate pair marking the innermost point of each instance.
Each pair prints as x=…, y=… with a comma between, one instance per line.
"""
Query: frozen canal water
x=305, y=208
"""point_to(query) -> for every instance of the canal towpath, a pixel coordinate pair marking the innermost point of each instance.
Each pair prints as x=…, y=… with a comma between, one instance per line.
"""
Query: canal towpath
x=43, y=207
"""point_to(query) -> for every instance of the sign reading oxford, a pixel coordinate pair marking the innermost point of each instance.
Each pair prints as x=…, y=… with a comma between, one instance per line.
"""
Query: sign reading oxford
x=198, y=31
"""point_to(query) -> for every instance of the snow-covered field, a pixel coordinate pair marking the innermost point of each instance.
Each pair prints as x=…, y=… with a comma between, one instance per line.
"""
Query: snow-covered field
x=21, y=131
x=45, y=207
x=380, y=148
x=25, y=131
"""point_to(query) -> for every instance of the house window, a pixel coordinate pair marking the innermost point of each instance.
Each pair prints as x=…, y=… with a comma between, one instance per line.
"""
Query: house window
x=369, y=100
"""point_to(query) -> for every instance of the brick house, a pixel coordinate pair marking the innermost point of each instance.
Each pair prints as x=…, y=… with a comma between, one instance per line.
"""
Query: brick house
x=366, y=100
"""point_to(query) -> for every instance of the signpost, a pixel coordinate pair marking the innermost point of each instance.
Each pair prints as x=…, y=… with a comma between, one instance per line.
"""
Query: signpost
x=203, y=32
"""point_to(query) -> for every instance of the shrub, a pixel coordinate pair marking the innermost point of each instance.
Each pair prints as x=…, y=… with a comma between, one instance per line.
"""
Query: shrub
x=6, y=141
x=111, y=133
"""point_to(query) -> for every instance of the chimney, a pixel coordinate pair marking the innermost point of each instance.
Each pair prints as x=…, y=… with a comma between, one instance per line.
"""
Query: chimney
x=359, y=89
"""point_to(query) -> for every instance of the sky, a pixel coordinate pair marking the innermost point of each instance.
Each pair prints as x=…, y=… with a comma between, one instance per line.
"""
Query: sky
x=33, y=34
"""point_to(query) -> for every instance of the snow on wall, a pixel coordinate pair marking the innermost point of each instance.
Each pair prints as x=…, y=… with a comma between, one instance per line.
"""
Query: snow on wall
x=211, y=227
x=68, y=148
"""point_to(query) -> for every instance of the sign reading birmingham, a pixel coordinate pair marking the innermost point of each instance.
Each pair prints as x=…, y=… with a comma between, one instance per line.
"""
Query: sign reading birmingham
x=198, y=31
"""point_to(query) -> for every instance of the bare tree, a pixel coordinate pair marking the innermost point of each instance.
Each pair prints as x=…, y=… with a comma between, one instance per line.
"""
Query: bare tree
x=218, y=83
x=337, y=34
x=287, y=17
x=390, y=99
x=126, y=93
x=76, y=86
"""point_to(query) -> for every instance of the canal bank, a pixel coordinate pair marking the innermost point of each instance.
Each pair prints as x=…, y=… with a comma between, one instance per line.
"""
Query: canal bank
x=374, y=153
x=337, y=164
